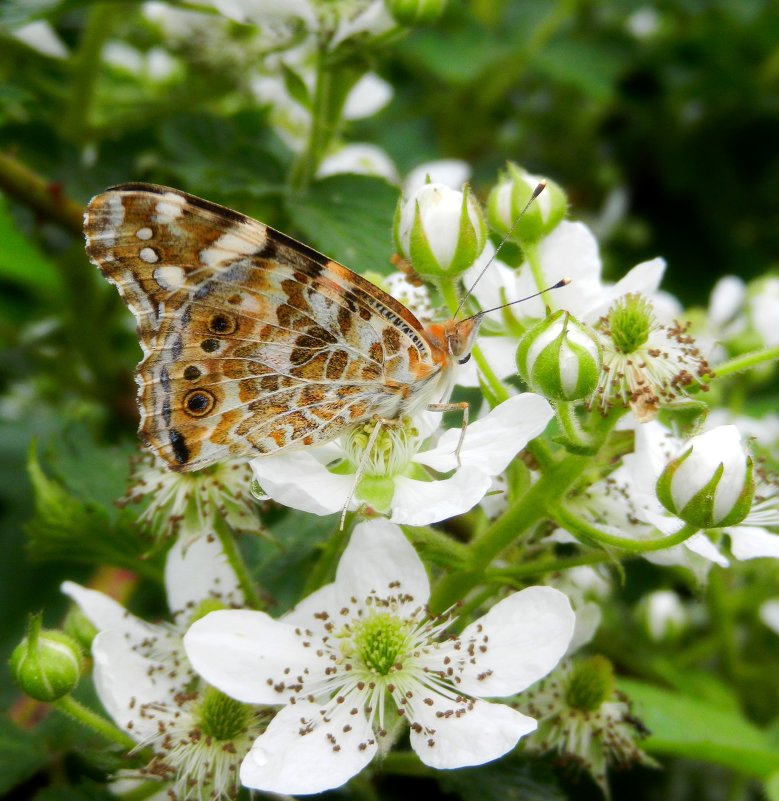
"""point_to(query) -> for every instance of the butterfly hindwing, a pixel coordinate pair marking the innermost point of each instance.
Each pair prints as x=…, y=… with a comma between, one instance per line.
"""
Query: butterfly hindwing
x=253, y=343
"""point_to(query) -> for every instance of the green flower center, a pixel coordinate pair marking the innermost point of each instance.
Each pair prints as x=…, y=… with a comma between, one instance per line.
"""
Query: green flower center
x=380, y=642
x=590, y=684
x=222, y=717
x=630, y=321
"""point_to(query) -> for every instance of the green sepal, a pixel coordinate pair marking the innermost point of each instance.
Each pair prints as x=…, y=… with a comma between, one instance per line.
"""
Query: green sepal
x=419, y=251
x=470, y=241
x=377, y=492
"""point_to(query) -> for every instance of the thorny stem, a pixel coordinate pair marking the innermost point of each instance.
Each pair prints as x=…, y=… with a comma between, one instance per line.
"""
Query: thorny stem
x=740, y=363
x=86, y=717
x=585, y=530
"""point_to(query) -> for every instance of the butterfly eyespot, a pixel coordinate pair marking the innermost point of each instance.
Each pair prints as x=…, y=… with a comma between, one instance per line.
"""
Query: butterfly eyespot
x=199, y=403
x=192, y=373
x=210, y=345
x=464, y=360
x=222, y=324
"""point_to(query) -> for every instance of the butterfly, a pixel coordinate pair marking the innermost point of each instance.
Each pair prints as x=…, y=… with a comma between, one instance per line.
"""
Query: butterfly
x=254, y=343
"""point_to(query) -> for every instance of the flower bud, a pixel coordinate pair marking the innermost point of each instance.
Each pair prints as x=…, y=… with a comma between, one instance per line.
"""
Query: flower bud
x=440, y=230
x=416, y=12
x=560, y=358
x=46, y=664
x=507, y=202
x=711, y=484
x=663, y=616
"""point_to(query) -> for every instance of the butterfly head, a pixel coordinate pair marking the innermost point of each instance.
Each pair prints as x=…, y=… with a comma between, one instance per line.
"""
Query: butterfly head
x=455, y=338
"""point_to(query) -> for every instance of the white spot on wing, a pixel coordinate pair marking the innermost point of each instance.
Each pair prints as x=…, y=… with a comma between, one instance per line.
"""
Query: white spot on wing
x=148, y=255
x=169, y=276
x=115, y=217
x=230, y=245
x=168, y=208
x=144, y=233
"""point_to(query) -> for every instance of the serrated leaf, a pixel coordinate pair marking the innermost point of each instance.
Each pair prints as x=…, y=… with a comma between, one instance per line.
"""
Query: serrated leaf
x=684, y=726
x=21, y=754
x=349, y=218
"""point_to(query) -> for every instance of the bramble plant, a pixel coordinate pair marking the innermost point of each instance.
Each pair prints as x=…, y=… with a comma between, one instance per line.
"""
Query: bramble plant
x=583, y=581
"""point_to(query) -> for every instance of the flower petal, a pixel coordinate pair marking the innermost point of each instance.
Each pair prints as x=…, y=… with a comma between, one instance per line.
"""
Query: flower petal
x=467, y=733
x=291, y=760
x=133, y=690
x=314, y=610
x=249, y=655
x=104, y=613
x=492, y=442
x=300, y=481
x=501, y=355
x=517, y=642
x=752, y=542
x=379, y=559
x=198, y=571
x=420, y=503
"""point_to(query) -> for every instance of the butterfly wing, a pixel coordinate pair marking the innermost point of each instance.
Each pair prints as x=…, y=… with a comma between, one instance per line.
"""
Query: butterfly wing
x=253, y=343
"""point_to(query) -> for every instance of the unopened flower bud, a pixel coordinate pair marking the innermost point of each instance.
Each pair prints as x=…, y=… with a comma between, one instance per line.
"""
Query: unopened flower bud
x=711, y=484
x=416, y=12
x=663, y=616
x=46, y=664
x=508, y=200
x=560, y=358
x=440, y=230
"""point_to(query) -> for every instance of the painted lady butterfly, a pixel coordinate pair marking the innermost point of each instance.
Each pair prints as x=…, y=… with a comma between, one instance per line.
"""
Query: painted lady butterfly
x=254, y=343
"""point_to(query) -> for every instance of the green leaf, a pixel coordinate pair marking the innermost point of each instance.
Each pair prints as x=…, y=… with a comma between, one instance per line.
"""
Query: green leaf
x=349, y=218
x=21, y=754
x=296, y=86
x=507, y=780
x=695, y=729
x=20, y=259
x=69, y=528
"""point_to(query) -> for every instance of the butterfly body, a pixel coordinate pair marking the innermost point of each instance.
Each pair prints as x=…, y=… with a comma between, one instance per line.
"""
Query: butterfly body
x=254, y=343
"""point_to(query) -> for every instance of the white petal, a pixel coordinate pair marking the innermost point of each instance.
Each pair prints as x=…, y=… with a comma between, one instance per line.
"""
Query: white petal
x=248, y=655
x=421, y=503
x=701, y=545
x=130, y=687
x=769, y=614
x=311, y=610
x=752, y=542
x=367, y=97
x=474, y=736
x=588, y=618
x=500, y=353
x=450, y=172
x=524, y=637
x=361, y=159
x=380, y=559
x=284, y=761
x=299, y=480
x=105, y=614
x=492, y=442
x=198, y=571
x=41, y=36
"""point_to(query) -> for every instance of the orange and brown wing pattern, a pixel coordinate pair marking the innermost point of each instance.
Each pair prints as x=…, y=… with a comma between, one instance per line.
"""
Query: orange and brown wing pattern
x=253, y=343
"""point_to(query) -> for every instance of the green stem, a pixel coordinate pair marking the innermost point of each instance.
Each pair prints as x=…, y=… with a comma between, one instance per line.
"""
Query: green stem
x=578, y=440
x=437, y=547
x=77, y=121
x=235, y=560
x=530, y=250
x=324, y=569
x=86, y=717
x=745, y=362
x=587, y=531
x=42, y=196
x=510, y=575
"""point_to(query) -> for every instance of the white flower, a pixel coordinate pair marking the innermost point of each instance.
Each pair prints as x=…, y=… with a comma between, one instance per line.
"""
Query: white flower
x=449, y=172
x=664, y=615
x=367, y=97
x=395, y=481
x=363, y=159
x=769, y=614
x=360, y=656
x=41, y=36
x=145, y=682
x=185, y=505
x=764, y=309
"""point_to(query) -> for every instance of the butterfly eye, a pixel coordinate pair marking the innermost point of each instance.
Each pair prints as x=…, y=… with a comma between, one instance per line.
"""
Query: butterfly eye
x=464, y=360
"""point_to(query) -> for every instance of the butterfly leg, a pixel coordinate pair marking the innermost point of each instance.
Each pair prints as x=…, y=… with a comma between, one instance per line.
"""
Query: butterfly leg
x=453, y=407
x=363, y=465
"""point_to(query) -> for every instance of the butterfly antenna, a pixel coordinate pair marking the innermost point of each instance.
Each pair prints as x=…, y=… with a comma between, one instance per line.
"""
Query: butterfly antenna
x=560, y=283
x=536, y=192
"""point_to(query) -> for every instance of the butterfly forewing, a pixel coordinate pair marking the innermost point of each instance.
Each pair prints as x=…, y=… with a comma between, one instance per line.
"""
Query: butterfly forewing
x=253, y=343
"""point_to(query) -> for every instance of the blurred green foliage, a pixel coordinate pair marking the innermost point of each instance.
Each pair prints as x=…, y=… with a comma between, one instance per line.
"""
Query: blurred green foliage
x=661, y=120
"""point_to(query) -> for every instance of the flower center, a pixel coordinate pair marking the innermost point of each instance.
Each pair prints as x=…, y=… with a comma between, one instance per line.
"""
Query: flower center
x=379, y=641
x=221, y=717
x=630, y=321
x=590, y=684
x=392, y=449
